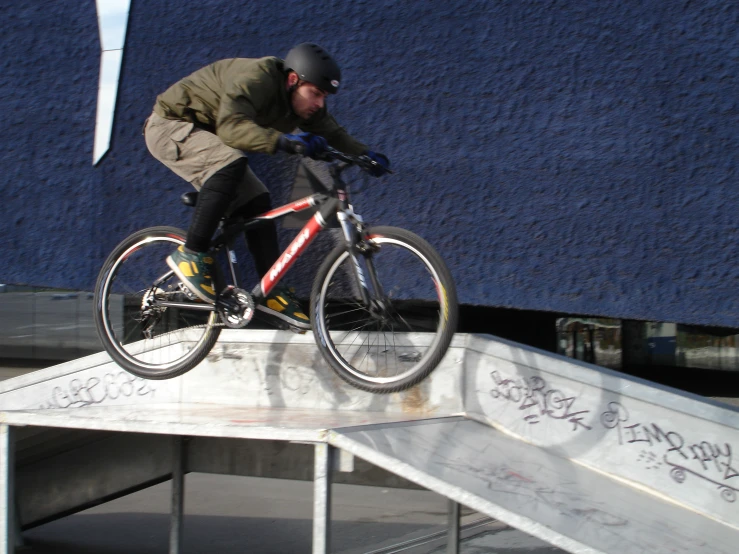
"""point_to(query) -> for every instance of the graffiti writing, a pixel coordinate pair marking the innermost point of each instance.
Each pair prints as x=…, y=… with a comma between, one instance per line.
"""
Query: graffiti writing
x=706, y=460
x=536, y=399
x=616, y=417
x=96, y=390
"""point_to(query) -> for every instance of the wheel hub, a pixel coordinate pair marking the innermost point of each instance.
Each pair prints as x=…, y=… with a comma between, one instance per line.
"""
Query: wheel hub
x=151, y=314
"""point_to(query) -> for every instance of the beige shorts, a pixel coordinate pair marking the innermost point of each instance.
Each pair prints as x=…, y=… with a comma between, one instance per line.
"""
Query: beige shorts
x=195, y=154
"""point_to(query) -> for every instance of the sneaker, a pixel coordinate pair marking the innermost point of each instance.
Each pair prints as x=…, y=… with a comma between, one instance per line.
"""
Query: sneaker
x=283, y=304
x=194, y=269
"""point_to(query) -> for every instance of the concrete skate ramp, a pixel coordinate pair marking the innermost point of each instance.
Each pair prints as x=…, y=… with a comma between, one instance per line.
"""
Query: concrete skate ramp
x=93, y=432
x=535, y=491
x=585, y=458
x=571, y=453
x=255, y=369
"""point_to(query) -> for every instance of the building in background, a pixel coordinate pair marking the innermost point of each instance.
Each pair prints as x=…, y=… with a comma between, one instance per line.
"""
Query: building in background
x=574, y=162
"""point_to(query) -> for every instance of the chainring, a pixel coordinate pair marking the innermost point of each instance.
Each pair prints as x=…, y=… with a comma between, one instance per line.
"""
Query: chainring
x=236, y=308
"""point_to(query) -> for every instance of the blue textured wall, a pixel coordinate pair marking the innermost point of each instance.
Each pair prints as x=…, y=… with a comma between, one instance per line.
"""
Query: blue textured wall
x=567, y=156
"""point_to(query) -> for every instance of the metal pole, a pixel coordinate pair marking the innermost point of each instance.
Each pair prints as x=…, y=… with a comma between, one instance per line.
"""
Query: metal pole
x=452, y=544
x=178, y=495
x=322, y=498
x=7, y=495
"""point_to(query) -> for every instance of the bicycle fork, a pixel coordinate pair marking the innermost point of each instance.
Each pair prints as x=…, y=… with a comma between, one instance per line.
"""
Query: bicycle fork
x=353, y=238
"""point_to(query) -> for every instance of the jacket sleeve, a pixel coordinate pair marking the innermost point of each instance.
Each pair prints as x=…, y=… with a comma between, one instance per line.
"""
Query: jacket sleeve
x=241, y=101
x=335, y=134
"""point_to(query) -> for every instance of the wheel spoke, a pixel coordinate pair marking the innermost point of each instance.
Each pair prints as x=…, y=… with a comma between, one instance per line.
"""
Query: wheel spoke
x=389, y=343
x=145, y=338
x=360, y=309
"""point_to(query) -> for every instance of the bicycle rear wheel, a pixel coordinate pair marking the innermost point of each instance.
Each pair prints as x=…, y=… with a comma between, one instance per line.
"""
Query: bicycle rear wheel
x=143, y=337
x=397, y=338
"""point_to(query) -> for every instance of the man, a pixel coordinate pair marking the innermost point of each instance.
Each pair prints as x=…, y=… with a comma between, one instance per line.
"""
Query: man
x=202, y=125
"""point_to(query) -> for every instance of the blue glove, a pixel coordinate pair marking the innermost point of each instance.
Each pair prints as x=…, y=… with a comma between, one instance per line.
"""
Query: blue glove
x=306, y=144
x=382, y=161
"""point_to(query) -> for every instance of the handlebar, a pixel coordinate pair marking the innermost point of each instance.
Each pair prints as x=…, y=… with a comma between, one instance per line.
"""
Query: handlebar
x=365, y=163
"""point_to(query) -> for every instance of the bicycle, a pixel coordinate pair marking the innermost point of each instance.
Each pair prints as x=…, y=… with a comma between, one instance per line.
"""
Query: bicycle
x=383, y=303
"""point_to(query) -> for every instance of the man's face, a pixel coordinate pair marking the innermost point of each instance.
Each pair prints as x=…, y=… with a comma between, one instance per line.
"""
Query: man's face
x=308, y=99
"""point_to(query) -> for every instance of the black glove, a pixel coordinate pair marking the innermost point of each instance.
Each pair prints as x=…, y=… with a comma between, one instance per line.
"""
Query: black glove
x=383, y=164
x=306, y=144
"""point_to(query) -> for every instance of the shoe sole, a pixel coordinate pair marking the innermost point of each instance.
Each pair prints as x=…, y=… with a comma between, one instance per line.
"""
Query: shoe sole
x=287, y=319
x=185, y=282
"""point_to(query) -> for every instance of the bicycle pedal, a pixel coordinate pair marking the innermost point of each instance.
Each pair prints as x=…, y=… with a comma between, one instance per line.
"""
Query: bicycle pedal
x=187, y=293
x=284, y=326
x=278, y=323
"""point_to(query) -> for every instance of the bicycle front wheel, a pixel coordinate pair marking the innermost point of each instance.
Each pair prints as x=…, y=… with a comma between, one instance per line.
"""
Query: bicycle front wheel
x=392, y=337
x=145, y=338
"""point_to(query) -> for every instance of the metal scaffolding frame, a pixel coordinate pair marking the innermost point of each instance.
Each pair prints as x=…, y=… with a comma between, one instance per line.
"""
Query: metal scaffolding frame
x=327, y=459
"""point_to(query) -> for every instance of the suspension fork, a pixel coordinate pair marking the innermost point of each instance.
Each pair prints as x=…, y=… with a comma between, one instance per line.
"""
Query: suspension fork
x=352, y=236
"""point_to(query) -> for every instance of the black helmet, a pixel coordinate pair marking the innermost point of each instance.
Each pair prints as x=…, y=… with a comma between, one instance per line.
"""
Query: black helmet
x=313, y=64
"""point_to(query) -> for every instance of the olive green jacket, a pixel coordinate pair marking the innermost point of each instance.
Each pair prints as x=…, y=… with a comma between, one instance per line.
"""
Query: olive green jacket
x=245, y=102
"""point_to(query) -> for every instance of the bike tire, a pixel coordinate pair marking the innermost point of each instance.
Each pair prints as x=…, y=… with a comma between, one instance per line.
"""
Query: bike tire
x=184, y=337
x=419, y=303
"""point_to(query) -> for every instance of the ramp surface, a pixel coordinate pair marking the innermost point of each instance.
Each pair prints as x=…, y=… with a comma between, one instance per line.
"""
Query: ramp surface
x=585, y=458
x=565, y=504
x=203, y=420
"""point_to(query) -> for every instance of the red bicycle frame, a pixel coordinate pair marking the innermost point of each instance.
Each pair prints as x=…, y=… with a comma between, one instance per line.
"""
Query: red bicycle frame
x=328, y=207
x=297, y=246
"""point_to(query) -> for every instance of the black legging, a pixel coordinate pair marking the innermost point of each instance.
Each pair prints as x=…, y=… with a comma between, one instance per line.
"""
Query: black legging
x=262, y=239
x=214, y=198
